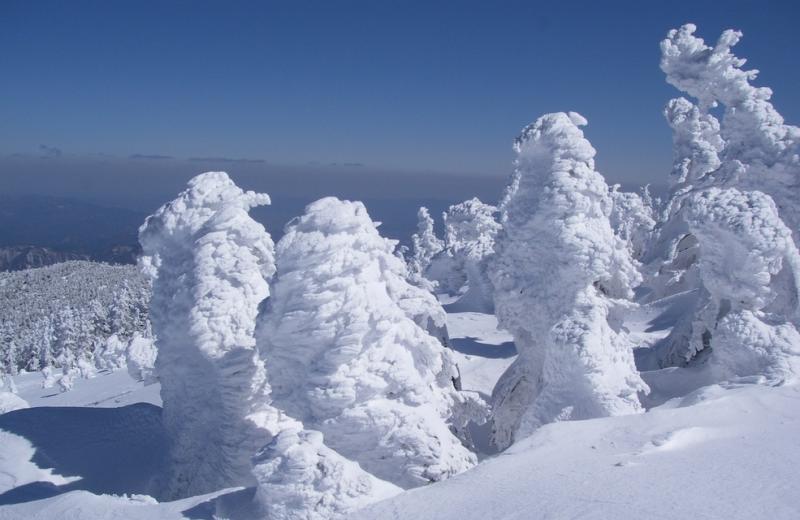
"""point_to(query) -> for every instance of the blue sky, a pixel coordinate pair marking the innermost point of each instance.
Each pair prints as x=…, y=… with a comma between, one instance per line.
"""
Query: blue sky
x=385, y=86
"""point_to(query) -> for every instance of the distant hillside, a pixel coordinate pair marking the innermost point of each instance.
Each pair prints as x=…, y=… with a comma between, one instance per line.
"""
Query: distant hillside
x=36, y=231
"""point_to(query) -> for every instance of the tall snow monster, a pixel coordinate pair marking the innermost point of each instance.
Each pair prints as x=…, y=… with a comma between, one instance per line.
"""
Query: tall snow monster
x=209, y=262
x=559, y=274
x=732, y=219
x=347, y=358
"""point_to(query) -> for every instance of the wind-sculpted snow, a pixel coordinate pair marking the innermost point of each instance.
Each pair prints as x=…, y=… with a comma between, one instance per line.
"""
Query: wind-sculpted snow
x=210, y=263
x=299, y=478
x=558, y=271
x=346, y=357
x=761, y=152
x=749, y=267
x=470, y=231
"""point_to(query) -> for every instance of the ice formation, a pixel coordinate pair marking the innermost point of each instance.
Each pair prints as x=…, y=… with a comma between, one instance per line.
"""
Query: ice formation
x=210, y=263
x=346, y=358
x=557, y=272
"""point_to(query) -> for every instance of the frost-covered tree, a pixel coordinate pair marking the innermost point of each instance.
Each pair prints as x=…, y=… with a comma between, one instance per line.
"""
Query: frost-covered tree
x=750, y=151
x=749, y=267
x=632, y=219
x=209, y=262
x=559, y=272
x=470, y=231
x=425, y=245
x=672, y=253
x=761, y=152
x=66, y=313
x=346, y=358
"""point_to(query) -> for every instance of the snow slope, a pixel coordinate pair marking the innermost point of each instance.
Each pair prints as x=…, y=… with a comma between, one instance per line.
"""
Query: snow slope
x=719, y=452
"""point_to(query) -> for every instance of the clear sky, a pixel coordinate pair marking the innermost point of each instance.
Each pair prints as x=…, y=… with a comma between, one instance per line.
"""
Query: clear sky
x=378, y=85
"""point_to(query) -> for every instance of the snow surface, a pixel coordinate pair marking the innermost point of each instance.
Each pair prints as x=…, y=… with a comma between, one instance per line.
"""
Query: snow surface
x=720, y=452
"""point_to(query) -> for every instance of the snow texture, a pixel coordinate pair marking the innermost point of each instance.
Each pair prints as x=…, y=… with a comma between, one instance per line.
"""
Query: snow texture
x=210, y=263
x=299, y=478
x=558, y=272
x=346, y=357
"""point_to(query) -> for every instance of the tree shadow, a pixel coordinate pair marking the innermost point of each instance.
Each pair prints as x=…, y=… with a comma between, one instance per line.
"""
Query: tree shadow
x=472, y=347
x=112, y=450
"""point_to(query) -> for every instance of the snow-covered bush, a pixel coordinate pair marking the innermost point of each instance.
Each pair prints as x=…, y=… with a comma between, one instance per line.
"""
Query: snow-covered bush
x=470, y=231
x=299, y=478
x=558, y=273
x=346, y=358
x=749, y=266
x=209, y=262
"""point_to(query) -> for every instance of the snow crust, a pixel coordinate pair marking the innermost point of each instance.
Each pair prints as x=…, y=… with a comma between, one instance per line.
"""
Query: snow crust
x=574, y=361
x=347, y=358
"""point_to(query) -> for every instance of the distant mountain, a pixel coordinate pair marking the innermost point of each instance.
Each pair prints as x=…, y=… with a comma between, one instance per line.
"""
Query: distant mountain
x=36, y=231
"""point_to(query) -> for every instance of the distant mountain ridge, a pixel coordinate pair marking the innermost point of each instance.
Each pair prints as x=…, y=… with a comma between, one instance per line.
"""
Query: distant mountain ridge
x=36, y=231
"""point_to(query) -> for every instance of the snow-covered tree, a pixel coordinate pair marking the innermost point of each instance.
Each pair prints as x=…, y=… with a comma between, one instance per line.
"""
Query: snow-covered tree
x=65, y=313
x=632, y=219
x=470, y=231
x=672, y=253
x=761, y=152
x=346, y=358
x=425, y=245
x=559, y=272
x=209, y=262
x=720, y=166
x=749, y=266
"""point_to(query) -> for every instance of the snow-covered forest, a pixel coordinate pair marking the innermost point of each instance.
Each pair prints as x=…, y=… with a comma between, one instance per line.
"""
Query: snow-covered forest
x=571, y=350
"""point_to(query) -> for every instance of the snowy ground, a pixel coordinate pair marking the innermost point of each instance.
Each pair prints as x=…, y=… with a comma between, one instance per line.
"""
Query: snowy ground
x=718, y=452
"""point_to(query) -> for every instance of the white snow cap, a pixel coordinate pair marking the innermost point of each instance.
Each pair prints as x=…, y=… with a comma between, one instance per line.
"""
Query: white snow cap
x=210, y=263
x=346, y=357
x=557, y=267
